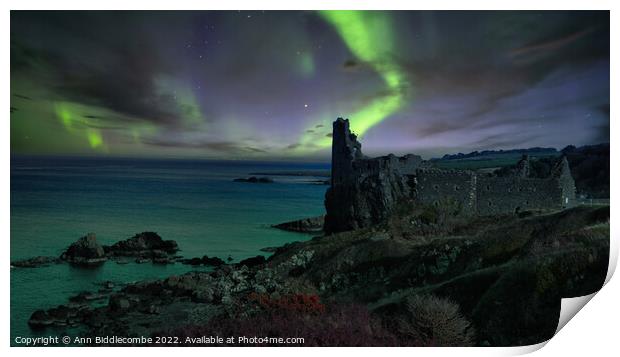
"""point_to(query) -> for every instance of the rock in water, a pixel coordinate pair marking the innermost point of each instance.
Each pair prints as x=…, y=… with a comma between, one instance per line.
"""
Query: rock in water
x=205, y=260
x=254, y=179
x=306, y=225
x=143, y=244
x=40, y=318
x=35, y=262
x=86, y=251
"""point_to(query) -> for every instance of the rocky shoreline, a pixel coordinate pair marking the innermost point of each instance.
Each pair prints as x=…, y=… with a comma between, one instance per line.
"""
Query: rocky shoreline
x=498, y=281
x=141, y=248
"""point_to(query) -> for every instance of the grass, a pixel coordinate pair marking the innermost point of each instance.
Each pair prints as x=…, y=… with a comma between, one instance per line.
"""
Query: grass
x=486, y=161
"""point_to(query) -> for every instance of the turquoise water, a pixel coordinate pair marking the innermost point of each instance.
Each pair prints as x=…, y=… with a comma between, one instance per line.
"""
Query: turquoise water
x=54, y=201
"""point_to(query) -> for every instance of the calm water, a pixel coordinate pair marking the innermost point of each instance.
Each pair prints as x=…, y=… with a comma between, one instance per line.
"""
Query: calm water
x=54, y=201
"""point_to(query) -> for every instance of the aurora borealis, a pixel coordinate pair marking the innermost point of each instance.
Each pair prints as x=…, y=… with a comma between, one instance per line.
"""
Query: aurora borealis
x=268, y=84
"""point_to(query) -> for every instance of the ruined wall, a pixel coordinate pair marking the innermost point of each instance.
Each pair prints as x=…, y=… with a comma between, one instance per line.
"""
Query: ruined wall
x=566, y=182
x=364, y=191
x=440, y=187
x=487, y=194
x=515, y=194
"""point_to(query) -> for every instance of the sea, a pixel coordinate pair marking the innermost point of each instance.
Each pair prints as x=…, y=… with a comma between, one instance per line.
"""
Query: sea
x=56, y=200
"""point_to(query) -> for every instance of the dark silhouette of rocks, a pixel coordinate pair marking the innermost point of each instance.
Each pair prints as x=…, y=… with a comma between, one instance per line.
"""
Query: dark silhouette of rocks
x=253, y=261
x=254, y=179
x=36, y=262
x=315, y=173
x=305, y=225
x=205, y=260
x=142, y=248
x=86, y=251
x=145, y=244
x=86, y=296
x=59, y=316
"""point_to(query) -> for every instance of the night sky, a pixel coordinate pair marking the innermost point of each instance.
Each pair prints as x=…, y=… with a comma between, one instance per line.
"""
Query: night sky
x=267, y=85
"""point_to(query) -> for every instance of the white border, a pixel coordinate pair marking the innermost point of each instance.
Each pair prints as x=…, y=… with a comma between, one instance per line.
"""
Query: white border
x=591, y=331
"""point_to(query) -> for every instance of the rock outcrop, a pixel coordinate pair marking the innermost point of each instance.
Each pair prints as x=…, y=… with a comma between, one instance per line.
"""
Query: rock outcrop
x=253, y=261
x=86, y=251
x=142, y=248
x=306, y=225
x=145, y=244
x=35, y=262
x=254, y=179
x=205, y=260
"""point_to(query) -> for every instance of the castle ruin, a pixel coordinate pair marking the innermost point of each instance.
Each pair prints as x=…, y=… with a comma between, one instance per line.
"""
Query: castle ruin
x=364, y=191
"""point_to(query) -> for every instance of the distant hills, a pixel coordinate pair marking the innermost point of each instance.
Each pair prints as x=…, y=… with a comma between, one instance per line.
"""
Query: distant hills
x=534, y=150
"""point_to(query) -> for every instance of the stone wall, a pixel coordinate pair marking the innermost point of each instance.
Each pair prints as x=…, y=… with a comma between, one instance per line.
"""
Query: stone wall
x=514, y=194
x=364, y=191
x=487, y=194
x=438, y=187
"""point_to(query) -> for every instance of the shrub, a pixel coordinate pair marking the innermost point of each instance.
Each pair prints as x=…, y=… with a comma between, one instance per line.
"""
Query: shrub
x=434, y=321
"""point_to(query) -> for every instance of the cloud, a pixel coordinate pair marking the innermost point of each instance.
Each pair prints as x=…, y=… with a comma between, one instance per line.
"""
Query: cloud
x=219, y=146
x=253, y=149
x=551, y=45
x=21, y=96
x=90, y=69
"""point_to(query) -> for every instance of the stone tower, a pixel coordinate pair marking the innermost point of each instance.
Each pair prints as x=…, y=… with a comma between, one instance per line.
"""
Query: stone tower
x=345, y=149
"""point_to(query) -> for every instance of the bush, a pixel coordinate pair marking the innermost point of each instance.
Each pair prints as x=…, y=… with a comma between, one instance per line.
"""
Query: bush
x=434, y=321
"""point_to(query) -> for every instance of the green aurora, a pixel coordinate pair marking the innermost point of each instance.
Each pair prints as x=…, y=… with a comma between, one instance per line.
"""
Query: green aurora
x=370, y=37
x=268, y=84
